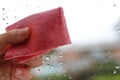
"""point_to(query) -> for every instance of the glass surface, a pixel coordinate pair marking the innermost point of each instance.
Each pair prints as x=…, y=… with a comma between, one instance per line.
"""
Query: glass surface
x=94, y=28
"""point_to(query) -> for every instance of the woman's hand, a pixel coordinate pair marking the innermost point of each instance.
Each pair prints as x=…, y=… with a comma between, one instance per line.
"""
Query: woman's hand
x=10, y=70
x=12, y=37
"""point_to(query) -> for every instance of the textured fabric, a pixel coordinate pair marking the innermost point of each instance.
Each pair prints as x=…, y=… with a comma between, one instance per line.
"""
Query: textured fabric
x=48, y=30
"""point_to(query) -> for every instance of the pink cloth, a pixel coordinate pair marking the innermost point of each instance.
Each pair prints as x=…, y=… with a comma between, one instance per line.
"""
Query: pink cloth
x=48, y=30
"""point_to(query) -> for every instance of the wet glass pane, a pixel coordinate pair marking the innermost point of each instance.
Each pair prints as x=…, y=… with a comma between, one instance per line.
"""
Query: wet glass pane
x=94, y=28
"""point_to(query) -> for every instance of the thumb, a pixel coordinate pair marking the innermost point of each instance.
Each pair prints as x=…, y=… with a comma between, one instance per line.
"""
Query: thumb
x=14, y=36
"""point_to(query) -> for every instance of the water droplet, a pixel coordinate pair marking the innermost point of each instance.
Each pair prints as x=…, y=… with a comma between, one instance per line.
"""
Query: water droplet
x=114, y=5
x=114, y=72
x=47, y=57
x=6, y=16
x=43, y=61
x=118, y=28
x=3, y=9
x=59, y=63
x=117, y=67
x=64, y=75
x=56, y=73
x=15, y=16
x=48, y=78
x=3, y=18
x=38, y=70
x=111, y=56
x=60, y=56
x=52, y=67
x=70, y=77
x=37, y=6
x=48, y=65
x=64, y=70
x=7, y=23
x=26, y=5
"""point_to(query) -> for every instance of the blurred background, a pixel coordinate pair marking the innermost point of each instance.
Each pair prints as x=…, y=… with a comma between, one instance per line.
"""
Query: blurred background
x=94, y=28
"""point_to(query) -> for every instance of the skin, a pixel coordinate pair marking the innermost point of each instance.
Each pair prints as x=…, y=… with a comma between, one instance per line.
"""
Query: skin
x=10, y=70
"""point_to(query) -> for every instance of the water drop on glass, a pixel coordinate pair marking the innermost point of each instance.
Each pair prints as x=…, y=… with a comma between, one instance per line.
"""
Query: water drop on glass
x=117, y=67
x=3, y=18
x=15, y=16
x=60, y=56
x=114, y=5
x=7, y=23
x=70, y=77
x=26, y=5
x=43, y=61
x=64, y=70
x=3, y=9
x=6, y=16
x=114, y=72
x=51, y=66
x=56, y=73
x=118, y=27
x=37, y=6
x=48, y=78
x=64, y=75
x=59, y=63
x=48, y=65
x=47, y=57
x=38, y=70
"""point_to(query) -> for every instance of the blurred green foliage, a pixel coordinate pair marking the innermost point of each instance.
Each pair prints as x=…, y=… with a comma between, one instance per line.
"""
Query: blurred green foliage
x=57, y=77
x=107, y=71
x=106, y=77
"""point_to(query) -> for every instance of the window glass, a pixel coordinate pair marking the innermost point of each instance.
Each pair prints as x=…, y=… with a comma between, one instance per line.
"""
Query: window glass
x=94, y=28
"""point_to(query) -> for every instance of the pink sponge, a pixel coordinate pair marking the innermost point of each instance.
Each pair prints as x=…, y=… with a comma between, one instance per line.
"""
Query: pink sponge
x=48, y=30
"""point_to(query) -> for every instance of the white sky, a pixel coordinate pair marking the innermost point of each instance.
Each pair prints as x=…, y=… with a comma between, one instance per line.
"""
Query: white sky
x=89, y=21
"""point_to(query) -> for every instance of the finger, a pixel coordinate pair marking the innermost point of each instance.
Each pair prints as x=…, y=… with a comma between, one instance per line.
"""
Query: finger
x=13, y=37
x=17, y=35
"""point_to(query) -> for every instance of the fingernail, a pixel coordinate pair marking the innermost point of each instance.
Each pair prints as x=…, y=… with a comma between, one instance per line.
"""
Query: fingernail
x=24, y=32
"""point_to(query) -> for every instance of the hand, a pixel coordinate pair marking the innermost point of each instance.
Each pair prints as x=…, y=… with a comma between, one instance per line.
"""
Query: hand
x=10, y=70
x=12, y=37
